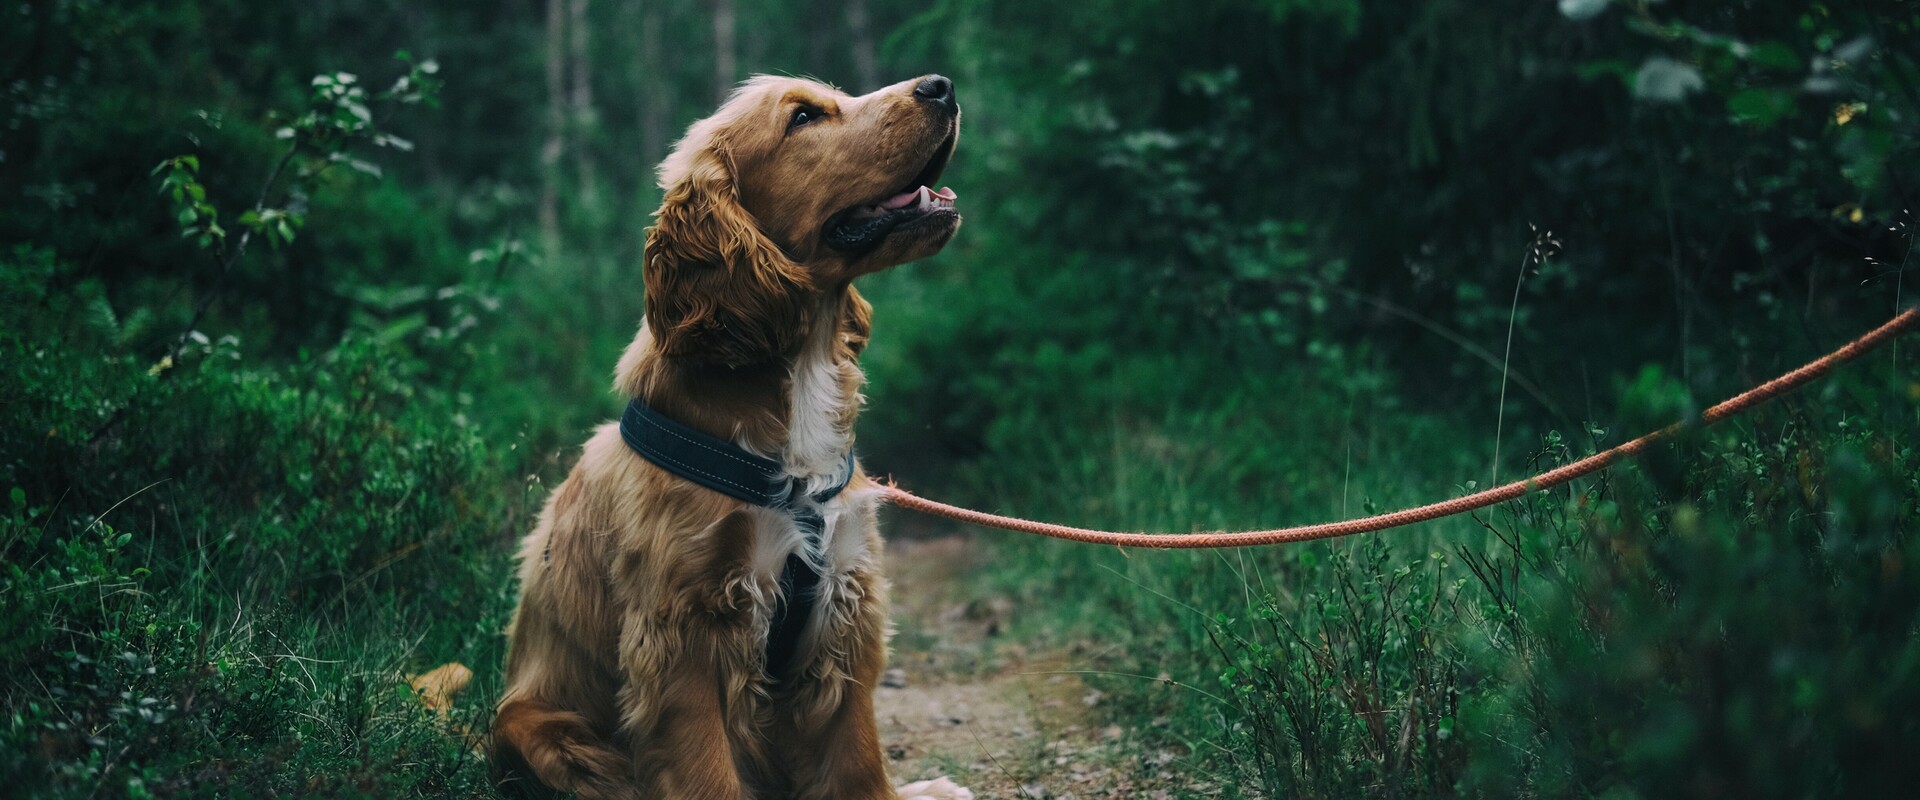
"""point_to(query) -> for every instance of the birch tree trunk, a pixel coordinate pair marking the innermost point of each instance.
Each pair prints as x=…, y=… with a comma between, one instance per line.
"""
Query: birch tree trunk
x=583, y=117
x=723, y=48
x=655, y=90
x=555, y=145
x=865, y=67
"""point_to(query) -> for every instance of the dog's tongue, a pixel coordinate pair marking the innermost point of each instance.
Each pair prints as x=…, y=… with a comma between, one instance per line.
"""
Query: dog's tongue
x=905, y=199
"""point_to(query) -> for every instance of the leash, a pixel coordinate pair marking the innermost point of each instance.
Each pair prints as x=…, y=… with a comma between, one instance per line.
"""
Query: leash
x=1812, y=371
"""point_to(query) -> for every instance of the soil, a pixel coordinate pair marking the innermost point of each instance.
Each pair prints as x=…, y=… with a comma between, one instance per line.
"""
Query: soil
x=1003, y=718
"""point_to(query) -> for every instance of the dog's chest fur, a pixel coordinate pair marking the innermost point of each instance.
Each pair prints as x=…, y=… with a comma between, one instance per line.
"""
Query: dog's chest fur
x=823, y=400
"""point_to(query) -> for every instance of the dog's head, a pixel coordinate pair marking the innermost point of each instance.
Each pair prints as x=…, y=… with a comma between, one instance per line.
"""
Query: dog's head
x=791, y=188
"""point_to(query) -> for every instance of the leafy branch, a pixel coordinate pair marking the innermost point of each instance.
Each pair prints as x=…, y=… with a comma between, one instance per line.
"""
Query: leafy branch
x=338, y=120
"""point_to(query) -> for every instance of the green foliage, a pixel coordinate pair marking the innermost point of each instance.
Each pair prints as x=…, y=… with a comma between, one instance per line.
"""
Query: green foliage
x=1233, y=264
x=1750, y=639
x=221, y=619
x=1346, y=690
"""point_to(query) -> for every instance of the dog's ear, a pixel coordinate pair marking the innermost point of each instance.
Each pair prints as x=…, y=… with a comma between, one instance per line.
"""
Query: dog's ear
x=718, y=290
x=856, y=321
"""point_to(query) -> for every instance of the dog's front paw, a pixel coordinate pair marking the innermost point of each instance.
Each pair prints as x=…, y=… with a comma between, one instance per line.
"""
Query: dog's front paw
x=936, y=789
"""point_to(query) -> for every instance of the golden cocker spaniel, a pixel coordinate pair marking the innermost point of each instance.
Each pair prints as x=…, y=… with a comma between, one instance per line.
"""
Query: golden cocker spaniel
x=683, y=631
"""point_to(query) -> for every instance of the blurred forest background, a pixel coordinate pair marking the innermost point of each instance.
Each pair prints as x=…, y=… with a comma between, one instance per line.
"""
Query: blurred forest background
x=297, y=332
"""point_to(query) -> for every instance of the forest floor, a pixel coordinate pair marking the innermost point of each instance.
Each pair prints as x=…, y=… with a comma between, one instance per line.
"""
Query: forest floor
x=1005, y=718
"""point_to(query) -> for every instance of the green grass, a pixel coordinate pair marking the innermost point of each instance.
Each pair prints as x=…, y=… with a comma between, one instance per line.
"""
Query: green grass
x=220, y=594
x=1733, y=616
x=1224, y=289
x=214, y=580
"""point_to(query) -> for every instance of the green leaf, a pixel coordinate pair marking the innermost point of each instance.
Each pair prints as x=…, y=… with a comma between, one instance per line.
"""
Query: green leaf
x=19, y=496
x=1762, y=107
x=1775, y=55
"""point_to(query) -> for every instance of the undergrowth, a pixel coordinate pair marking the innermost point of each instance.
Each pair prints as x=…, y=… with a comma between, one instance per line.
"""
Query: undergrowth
x=247, y=490
x=1734, y=615
x=219, y=595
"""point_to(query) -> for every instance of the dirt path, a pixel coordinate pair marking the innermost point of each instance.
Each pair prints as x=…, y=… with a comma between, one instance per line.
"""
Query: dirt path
x=1000, y=717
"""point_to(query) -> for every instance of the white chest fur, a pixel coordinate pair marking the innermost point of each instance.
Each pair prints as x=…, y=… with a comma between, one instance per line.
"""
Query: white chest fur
x=840, y=546
x=819, y=420
x=842, y=550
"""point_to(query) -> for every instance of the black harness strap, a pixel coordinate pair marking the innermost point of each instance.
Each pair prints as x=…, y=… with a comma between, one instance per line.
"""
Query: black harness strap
x=726, y=468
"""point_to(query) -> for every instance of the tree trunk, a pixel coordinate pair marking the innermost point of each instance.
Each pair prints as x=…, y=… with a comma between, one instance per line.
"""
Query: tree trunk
x=555, y=144
x=655, y=89
x=723, y=48
x=583, y=122
x=865, y=68
x=820, y=35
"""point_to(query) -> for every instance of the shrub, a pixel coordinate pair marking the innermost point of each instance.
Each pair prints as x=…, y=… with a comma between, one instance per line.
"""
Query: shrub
x=216, y=576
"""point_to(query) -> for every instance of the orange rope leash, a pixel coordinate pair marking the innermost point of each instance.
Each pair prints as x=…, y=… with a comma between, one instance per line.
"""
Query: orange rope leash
x=1814, y=370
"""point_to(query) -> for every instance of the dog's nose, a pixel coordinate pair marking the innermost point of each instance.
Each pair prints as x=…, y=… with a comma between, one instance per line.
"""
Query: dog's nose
x=935, y=89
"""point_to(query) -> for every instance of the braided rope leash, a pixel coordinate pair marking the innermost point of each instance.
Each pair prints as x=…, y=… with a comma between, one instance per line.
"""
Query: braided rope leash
x=1812, y=371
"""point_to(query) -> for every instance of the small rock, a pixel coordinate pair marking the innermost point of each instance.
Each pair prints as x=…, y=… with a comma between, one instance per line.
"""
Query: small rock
x=894, y=679
x=937, y=789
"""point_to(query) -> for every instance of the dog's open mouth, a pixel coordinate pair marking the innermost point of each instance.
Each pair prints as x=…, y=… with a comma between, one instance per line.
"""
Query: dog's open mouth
x=861, y=228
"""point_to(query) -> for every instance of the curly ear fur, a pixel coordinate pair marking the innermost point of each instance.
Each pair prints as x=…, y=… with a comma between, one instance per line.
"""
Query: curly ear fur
x=856, y=322
x=718, y=290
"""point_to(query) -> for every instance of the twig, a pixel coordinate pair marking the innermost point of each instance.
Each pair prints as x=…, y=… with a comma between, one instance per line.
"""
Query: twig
x=1900, y=283
x=226, y=263
x=1017, y=784
x=110, y=509
x=239, y=251
x=1500, y=411
x=1542, y=247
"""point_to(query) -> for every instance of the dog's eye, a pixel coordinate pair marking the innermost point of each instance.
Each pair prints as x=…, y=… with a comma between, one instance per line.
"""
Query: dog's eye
x=802, y=116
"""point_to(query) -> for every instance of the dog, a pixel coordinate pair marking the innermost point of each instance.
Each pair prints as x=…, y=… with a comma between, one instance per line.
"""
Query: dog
x=708, y=618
